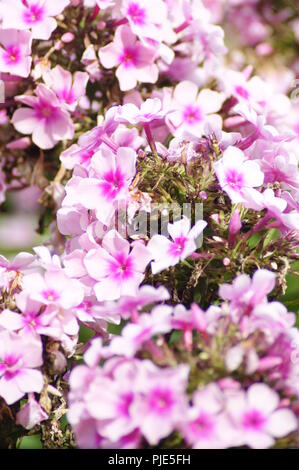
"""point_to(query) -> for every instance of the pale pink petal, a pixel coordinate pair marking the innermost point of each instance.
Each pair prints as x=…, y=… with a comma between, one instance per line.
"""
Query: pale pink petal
x=210, y=101
x=30, y=380
x=97, y=263
x=281, y=423
x=24, y=120
x=185, y=93
x=263, y=398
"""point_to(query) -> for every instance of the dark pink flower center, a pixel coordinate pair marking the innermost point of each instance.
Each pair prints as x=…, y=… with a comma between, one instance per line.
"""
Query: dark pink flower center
x=136, y=14
x=254, y=420
x=66, y=95
x=178, y=246
x=161, y=400
x=50, y=295
x=203, y=425
x=192, y=114
x=129, y=57
x=31, y=321
x=234, y=179
x=113, y=182
x=45, y=111
x=34, y=14
x=12, y=55
x=121, y=268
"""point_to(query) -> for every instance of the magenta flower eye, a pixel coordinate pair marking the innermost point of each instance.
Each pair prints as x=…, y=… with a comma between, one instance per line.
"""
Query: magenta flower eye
x=254, y=419
x=34, y=14
x=192, y=114
x=136, y=14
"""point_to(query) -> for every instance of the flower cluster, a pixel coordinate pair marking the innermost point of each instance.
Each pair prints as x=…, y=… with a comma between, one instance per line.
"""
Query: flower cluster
x=162, y=160
x=248, y=392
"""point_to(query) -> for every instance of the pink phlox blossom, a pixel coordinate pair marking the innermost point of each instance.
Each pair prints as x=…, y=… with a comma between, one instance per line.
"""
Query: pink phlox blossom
x=238, y=176
x=206, y=423
x=257, y=416
x=54, y=288
x=160, y=405
x=20, y=356
x=68, y=89
x=134, y=335
x=30, y=320
x=15, y=52
x=43, y=118
x=245, y=293
x=145, y=19
x=33, y=15
x=108, y=184
x=192, y=110
x=150, y=110
x=134, y=61
x=167, y=252
x=131, y=306
x=286, y=218
x=117, y=269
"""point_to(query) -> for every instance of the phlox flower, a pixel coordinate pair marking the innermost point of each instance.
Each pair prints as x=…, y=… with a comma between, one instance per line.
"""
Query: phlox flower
x=245, y=293
x=118, y=270
x=134, y=61
x=67, y=88
x=160, y=406
x=30, y=321
x=130, y=306
x=89, y=142
x=110, y=402
x=15, y=50
x=44, y=119
x=286, y=219
x=205, y=426
x=150, y=110
x=109, y=182
x=75, y=155
x=19, y=358
x=192, y=110
x=134, y=335
x=54, y=288
x=103, y=4
x=36, y=15
x=100, y=404
x=236, y=175
x=91, y=313
x=256, y=416
x=145, y=18
x=167, y=253
x=272, y=318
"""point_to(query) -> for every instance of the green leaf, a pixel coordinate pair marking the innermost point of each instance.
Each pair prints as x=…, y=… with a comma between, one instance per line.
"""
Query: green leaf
x=291, y=297
x=272, y=235
x=175, y=337
x=254, y=240
x=115, y=329
x=85, y=334
x=31, y=442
